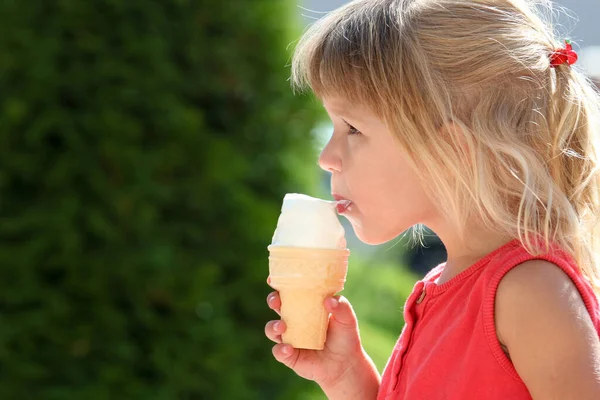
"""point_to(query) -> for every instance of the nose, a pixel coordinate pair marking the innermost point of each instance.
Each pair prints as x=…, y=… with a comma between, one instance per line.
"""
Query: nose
x=330, y=160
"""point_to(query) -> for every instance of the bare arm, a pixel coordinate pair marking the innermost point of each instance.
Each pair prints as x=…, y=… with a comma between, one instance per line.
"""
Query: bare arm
x=360, y=382
x=542, y=320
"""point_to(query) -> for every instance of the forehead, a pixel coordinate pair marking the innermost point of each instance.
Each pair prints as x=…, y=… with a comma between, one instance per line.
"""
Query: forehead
x=336, y=105
x=342, y=107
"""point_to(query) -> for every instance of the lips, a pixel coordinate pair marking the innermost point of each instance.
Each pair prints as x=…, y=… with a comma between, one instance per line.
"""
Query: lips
x=343, y=204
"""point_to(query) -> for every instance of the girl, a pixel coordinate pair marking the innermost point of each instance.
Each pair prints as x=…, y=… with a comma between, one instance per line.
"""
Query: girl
x=465, y=116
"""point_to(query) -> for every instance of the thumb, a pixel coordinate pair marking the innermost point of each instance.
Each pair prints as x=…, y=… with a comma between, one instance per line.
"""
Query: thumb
x=342, y=334
x=342, y=314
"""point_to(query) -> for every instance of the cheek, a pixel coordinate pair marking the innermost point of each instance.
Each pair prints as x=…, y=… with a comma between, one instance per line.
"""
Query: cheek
x=390, y=202
x=386, y=218
x=382, y=186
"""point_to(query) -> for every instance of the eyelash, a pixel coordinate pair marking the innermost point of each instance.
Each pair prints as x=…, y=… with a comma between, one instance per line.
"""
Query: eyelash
x=352, y=130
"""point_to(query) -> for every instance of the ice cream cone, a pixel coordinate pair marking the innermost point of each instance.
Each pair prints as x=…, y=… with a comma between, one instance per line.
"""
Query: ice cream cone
x=304, y=277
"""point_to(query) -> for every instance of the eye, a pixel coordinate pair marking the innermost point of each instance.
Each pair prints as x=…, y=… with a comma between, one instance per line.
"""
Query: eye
x=352, y=130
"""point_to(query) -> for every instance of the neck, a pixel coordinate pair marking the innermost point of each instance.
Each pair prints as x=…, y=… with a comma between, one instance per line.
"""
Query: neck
x=463, y=254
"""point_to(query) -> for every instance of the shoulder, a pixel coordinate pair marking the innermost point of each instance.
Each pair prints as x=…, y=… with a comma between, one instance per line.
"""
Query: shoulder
x=534, y=280
x=552, y=341
x=534, y=290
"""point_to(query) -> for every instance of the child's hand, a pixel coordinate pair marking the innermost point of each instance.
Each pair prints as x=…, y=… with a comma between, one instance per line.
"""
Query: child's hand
x=342, y=352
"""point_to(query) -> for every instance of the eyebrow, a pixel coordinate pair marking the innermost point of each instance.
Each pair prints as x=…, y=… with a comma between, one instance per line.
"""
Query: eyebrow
x=346, y=122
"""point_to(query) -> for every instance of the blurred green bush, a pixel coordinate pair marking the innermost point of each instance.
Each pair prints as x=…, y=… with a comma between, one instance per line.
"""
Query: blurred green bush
x=144, y=150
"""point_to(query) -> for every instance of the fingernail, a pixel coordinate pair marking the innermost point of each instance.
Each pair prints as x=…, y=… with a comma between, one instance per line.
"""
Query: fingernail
x=277, y=325
x=287, y=350
x=333, y=302
x=271, y=298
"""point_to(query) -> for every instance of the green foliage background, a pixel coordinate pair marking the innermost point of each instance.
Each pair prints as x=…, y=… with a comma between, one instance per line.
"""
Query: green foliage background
x=144, y=150
x=145, y=147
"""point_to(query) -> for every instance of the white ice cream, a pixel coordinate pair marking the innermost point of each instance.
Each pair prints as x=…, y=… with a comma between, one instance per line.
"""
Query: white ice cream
x=309, y=222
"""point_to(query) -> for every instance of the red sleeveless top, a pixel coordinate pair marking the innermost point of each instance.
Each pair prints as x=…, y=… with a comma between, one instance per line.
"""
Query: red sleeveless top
x=448, y=348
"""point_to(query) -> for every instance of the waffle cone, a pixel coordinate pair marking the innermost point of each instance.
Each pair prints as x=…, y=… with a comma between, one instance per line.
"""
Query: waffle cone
x=304, y=277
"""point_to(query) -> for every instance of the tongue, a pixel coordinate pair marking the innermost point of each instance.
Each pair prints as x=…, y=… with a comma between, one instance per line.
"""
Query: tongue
x=342, y=205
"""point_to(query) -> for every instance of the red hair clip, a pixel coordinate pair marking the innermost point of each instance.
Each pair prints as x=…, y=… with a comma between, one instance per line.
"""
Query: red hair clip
x=564, y=55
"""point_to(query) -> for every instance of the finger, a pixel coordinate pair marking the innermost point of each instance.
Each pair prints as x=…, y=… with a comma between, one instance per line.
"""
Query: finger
x=274, y=329
x=341, y=312
x=274, y=302
x=286, y=354
x=342, y=333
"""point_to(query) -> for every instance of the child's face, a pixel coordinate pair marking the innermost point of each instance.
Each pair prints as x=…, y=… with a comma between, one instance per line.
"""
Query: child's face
x=369, y=168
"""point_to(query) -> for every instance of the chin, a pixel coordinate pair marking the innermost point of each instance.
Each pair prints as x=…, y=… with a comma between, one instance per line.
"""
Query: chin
x=374, y=237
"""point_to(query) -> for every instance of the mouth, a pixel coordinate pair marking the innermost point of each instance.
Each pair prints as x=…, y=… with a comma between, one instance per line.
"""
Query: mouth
x=343, y=204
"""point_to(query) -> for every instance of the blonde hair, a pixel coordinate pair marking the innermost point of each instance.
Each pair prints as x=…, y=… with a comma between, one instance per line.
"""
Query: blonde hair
x=525, y=159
